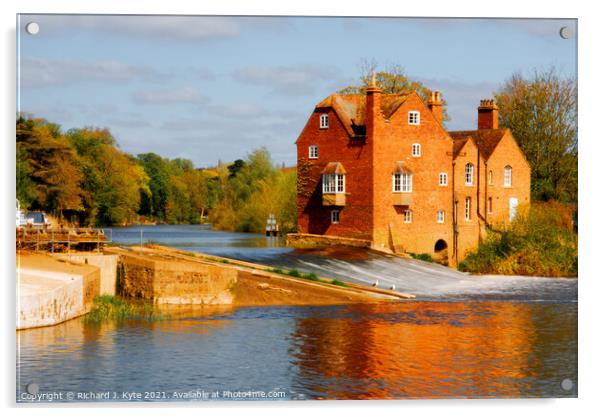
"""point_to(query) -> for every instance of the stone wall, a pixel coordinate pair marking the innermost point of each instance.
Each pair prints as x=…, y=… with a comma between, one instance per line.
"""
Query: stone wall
x=315, y=240
x=176, y=281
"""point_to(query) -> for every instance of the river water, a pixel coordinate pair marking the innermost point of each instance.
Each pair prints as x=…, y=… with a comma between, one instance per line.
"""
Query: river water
x=463, y=336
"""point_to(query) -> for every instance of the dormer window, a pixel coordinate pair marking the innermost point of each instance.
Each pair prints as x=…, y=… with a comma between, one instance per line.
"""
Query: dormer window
x=416, y=151
x=324, y=121
x=313, y=151
x=414, y=118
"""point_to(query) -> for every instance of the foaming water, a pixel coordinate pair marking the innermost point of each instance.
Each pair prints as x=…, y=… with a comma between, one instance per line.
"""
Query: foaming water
x=425, y=280
x=375, y=351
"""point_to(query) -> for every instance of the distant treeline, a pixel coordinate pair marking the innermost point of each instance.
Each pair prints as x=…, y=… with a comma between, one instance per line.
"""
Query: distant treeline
x=83, y=177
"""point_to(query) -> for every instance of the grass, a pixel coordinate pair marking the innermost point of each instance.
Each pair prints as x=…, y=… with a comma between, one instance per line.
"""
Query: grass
x=307, y=276
x=423, y=257
x=113, y=308
x=537, y=243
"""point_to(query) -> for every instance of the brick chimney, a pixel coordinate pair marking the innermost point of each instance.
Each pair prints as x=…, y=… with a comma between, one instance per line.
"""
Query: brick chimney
x=487, y=115
x=436, y=105
x=373, y=110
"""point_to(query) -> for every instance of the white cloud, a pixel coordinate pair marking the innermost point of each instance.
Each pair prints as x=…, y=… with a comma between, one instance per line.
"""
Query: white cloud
x=185, y=95
x=42, y=72
x=185, y=28
x=287, y=80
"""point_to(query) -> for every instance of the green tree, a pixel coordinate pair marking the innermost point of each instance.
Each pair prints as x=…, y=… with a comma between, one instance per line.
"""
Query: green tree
x=541, y=112
x=26, y=193
x=392, y=80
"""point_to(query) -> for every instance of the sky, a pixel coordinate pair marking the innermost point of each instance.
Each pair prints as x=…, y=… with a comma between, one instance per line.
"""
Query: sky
x=214, y=88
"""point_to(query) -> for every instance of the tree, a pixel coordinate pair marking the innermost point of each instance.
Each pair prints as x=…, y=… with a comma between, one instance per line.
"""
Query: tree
x=541, y=112
x=393, y=80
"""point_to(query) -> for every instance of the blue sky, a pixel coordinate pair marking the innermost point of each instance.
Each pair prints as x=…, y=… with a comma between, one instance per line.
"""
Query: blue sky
x=215, y=88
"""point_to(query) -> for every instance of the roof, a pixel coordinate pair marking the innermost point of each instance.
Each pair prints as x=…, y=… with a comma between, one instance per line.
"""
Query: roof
x=401, y=168
x=351, y=109
x=334, y=167
x=486, y=140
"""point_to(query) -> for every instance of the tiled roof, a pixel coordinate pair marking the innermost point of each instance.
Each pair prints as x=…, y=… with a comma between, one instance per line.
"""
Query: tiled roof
x=351, y=109
x=334, y=167
x=486, y=140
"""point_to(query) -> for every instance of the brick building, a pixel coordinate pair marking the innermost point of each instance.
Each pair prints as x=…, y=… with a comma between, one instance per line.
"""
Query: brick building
x=382, y=168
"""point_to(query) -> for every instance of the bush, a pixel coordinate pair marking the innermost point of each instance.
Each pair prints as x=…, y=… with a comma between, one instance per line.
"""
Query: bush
x=294, y=273
x=423, y=257
x=538, y=243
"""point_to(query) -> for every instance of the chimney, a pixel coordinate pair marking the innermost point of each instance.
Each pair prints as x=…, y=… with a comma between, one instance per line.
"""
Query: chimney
x=487, y=115
x=436, y=105
x=373, y=110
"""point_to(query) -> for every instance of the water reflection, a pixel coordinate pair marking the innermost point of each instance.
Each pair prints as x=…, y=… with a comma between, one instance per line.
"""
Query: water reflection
x=375, y=351
x=437, y=350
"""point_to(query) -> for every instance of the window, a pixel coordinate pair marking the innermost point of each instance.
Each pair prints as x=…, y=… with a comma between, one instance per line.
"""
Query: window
x=467, y=209
x=469, y=174
x=508, y=176
x=490, y=177
x=414, y=117
x=416, y=150
x=333, y=184
x=407, y=216
x=402, y=182
x=334, y=216
x=440, y=216
x=443, y=179
x=313, y=151
x=324, y=121
x=489, y=205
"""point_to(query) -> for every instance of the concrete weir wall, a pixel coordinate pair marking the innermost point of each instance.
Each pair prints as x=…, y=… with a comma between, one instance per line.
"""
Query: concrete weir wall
x=107, y=263
x=50, y=291
x=176, y=282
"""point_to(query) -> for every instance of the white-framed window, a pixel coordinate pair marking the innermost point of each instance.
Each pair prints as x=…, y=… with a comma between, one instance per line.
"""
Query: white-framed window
x=324, y=121
x=335, y=216
x=467, y=202
x=441, y=216
x=416, y=150
x=402, y=182
x=443, y=179
x=469, y=174
x=333, y=183
x=407, y=216
x=313, y=151
x=490, y=177
x=414, y=117
x=508, y=176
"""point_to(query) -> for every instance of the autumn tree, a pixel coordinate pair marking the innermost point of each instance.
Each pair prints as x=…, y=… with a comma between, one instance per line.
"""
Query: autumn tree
x=393, y=80
x=51, y=164
x=541, y=112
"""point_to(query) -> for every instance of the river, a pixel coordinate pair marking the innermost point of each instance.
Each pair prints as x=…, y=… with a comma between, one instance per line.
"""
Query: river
x=463, y=336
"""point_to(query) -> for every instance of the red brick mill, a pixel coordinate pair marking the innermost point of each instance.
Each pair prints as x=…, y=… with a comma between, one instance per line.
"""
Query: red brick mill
x=382, y=168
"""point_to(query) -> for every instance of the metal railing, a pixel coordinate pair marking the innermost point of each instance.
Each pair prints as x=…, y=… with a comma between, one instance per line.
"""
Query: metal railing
x=61, y=239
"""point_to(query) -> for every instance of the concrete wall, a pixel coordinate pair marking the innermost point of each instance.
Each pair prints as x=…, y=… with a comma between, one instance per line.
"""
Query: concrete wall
x=50, y=292
x=176, y=281
x=107, y=263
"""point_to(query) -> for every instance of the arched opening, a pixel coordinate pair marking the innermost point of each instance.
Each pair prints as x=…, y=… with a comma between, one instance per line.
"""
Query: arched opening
x=440, y=245
x=441, y=251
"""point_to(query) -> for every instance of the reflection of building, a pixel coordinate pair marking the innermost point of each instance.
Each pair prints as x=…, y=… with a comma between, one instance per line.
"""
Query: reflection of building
x=437, y=350
x=383, y=168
